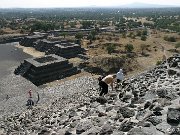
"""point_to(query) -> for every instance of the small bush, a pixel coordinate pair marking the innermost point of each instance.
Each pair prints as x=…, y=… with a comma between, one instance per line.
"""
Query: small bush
x=144, y=32
x=139, y=33
x=124, y=35
x=130, y=34
x=143, y=38
x=110, y=48
x=129, y=48
x=158, y=62
x=170, y=39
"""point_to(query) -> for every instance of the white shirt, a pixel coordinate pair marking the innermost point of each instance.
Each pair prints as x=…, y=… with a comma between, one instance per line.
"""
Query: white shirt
x=120, y=75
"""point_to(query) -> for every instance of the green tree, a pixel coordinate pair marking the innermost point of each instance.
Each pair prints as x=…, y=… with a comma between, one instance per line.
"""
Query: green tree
x=129, y=48
x=138, y=33
x=64, y=34
x=144, y=32
x=79, y=36
x=41, y=25
x=73, y=24
x=130, y=34
x=110, y=48
x=159, y=62
x=143, y=38
x=94, y=32
x=170, y=39
x=86, y=24
x=124, y=35
x=90, y=37
x=62, y=26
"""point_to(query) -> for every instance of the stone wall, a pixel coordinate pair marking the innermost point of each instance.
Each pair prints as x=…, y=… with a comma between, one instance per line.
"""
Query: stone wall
x=29, y=40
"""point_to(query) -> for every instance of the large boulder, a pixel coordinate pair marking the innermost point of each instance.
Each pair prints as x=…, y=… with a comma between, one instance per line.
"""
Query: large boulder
x=106, y=130
x=173, y=115
x=83, y=126
x=154, y=120
x=136, y=131
x=126, y=112
x=147, y=104
x=126, y=126
x=93, y=131
x=101, y=100
x=162, y=93
x=72, y=113
x=144, y=131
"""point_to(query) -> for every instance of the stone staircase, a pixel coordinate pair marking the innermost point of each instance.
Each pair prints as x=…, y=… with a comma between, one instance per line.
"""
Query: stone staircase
x=22, y=69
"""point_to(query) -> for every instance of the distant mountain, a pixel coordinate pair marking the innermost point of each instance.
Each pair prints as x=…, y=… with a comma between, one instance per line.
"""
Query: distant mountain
x=145, y=5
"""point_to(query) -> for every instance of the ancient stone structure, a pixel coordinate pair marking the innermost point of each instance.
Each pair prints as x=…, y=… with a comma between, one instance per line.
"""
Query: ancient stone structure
x=46, y=69
x=71, y=31
x=29, y=40
x=62, y=48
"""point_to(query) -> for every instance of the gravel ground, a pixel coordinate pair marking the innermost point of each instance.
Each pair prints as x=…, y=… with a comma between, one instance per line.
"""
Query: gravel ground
x=16, y=87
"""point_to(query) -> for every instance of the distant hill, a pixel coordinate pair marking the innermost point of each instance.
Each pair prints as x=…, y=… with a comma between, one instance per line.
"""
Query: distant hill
x=145, y=5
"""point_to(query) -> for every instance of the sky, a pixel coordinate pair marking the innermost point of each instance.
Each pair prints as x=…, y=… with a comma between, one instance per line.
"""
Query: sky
x=78, y=3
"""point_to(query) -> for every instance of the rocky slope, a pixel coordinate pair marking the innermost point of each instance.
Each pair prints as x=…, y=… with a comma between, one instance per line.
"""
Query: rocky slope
x=146, y=104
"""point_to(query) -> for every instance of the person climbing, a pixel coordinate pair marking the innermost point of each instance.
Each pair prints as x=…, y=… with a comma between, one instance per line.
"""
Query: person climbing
x=38, y=98
x=119, y=77
x=99, y=80
x=30, y=93
x=109, y=79
x=7, y=97
x=30, y=103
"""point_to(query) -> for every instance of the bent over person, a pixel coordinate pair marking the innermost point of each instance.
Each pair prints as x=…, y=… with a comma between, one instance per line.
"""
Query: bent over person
x=109, y=79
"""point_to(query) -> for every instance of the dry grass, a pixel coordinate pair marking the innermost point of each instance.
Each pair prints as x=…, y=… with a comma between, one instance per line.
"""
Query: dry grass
x=10, y=31
x=141, y=19
x=154, y=51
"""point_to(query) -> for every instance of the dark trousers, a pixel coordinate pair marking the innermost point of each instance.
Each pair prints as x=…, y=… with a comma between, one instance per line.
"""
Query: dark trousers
x=103, y=88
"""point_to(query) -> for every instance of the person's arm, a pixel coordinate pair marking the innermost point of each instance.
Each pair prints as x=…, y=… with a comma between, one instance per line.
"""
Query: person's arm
x=112, y=85
x=100, y=88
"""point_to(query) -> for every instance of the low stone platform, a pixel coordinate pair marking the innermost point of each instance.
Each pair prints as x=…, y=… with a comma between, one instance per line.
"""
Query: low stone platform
x=28, y=41
x=46, y=69
x=61, y=48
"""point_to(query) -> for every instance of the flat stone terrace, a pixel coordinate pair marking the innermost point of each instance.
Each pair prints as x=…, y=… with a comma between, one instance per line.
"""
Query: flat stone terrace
x=47, y=60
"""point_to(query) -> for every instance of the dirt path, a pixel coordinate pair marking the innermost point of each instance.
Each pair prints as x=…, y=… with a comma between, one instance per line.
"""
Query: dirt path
x=31, y=51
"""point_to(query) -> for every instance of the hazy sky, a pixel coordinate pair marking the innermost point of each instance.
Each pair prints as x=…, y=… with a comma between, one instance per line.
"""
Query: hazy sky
x=78, y=3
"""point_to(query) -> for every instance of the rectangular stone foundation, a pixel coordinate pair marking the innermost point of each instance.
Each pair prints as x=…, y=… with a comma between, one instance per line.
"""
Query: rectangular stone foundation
x=46, y=69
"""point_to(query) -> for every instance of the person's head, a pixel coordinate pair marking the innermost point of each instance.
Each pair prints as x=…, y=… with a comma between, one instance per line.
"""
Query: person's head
x=120, y=70
x=114, y=75
x=99, y=78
